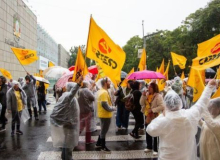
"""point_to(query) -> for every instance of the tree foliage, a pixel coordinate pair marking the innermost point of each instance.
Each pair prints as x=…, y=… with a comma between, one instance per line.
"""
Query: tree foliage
x=196, y=28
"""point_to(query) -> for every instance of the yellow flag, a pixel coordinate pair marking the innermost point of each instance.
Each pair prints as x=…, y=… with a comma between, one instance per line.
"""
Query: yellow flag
x=100, y=72
x=209, y=47
x=157, y=70
x=161, y=69
x=196, y=80
x=178, y=60
x=50, y=64
x=182, y=75
x=102, y=49
x=25, y=56
x=216, y=94
x=80, y=66
x=142, y=63
x=162, y=82
x=6, y=73
x=125, y=81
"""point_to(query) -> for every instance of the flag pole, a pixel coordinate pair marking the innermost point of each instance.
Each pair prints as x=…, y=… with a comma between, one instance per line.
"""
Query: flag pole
x=174, y=70
x=87, y=44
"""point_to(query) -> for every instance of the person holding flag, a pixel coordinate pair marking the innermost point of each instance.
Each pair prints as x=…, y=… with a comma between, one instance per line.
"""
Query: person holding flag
x=30, y=90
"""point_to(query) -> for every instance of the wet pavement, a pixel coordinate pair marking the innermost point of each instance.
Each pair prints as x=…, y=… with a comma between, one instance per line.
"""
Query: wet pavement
x=36, y=143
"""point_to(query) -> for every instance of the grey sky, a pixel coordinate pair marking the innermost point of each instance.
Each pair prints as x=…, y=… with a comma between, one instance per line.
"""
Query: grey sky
x=67, y=21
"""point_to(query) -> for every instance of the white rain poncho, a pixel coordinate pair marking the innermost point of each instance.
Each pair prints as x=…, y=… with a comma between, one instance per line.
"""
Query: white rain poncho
x=177, y=129
x=65, y=119
x=210, y=135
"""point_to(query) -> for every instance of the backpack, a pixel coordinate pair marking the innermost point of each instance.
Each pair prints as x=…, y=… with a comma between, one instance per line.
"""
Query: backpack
x=129, y=103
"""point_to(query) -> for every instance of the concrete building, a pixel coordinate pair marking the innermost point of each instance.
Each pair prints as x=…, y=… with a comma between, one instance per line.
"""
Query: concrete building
x=47, y=48
x=63, y=56
x=18, y=28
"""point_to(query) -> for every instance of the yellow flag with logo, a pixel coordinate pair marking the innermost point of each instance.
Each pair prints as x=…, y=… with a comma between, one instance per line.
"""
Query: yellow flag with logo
x=162, y=82
x=142, y=63
x=161, y=69
x=178, y=60
x=209, y=47
x=6, y=73
x=208, y=54
x=182, y=75
x=102, y=49
x=196, y=80
x=50, y=64
x=125, y=81
x=25, y=56
x=80, y=66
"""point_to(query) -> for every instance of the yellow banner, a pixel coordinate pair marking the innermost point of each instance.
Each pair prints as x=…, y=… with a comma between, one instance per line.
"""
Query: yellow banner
x=162, y=82
x=125, y=81
x=25, y=56
x=142, y=63
x=178, y=60
x=161, y=69
x=6, y=73
x=50, y=64
x=209, y=47
x=182, y=75
x=80, y=66
x=196, y=80
x=102, y=49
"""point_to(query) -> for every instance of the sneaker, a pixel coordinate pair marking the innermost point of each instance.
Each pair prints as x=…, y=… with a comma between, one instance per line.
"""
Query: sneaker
x=19, y=132
x=147, y=150
x=36, y=118
x=106, y=150
x=119, y=128
x=124, y=128
x=155, y=153
x=12, y=134
x=98, y=145
x=2, y=129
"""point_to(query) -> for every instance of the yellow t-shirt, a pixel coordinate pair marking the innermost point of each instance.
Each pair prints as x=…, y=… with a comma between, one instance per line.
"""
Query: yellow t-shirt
x=148, y=101
x=103, y=96
x=19, y=101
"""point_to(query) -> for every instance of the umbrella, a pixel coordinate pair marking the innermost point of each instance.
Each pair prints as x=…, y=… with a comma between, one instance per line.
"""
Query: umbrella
x=62, y=81
x=93, y=69
x=210, y=73
x=72, y=68
x=145, y=74
x=123, y=74
x=55, y=72
x=41, y=79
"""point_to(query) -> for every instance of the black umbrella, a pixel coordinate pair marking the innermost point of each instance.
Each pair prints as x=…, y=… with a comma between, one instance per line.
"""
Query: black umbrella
x=210, y=73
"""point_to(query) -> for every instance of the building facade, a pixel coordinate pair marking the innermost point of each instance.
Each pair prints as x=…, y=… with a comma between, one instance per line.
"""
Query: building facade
x=18, y=28
x=63, y=56
x=47, y=48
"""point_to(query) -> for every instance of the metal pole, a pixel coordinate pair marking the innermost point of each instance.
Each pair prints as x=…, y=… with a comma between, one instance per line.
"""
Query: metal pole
x=143, y=35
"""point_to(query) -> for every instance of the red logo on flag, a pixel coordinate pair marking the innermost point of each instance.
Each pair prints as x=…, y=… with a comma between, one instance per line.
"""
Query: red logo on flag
x=103, y=46
x=216, y=49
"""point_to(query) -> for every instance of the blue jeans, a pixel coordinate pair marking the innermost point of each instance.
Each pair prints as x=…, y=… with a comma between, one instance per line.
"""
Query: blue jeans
x=122, y=116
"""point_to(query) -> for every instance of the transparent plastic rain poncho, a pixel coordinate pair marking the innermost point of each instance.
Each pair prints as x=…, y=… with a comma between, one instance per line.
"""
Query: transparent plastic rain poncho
x=210, y=135
x=86, y=100
x=177, y=129
x=65, y=119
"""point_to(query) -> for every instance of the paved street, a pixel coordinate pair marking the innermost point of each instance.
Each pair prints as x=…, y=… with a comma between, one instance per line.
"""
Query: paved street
x=36, y=143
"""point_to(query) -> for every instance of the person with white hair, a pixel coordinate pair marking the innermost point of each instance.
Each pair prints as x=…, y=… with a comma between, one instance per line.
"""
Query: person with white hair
x=177, y=127
x=16, y=101
x=65, y=121
x=210, y=135
x=85, y=100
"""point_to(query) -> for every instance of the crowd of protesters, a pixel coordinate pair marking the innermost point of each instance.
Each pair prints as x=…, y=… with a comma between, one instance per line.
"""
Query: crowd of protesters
x=170, y=117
